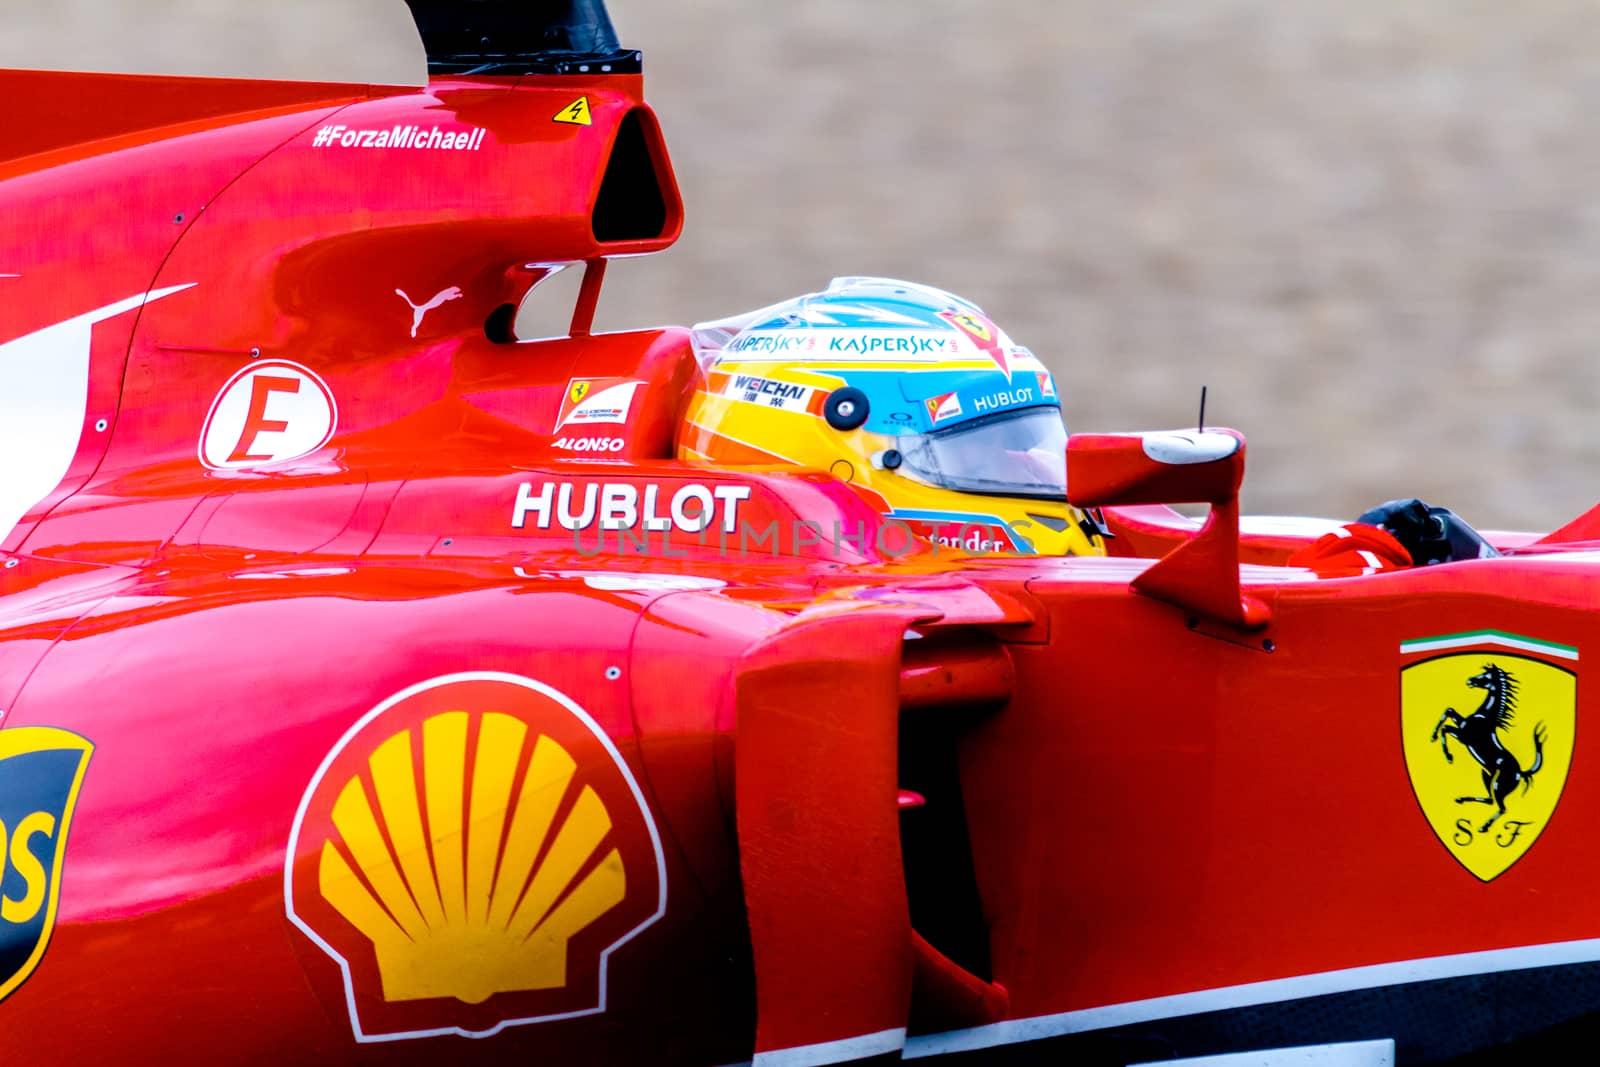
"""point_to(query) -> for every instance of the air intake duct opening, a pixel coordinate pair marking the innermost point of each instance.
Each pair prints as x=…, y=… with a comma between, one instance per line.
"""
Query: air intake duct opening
x=632, y=205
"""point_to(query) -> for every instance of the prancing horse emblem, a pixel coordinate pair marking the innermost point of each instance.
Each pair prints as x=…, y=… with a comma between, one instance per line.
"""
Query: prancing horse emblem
x=1519, y=759
x=1479, y=732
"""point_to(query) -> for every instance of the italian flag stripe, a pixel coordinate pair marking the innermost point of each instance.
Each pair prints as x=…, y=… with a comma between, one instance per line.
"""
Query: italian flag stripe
x=1489, y=637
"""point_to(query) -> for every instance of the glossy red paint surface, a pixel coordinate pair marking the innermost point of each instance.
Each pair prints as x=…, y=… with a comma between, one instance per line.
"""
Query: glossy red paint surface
x=302, y=491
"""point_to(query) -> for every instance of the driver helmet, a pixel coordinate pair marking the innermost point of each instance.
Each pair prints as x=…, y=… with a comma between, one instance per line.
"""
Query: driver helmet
x=909, y=394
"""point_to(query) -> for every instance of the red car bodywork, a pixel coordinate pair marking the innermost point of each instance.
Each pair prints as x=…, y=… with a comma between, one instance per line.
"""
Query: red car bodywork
x=315, y=582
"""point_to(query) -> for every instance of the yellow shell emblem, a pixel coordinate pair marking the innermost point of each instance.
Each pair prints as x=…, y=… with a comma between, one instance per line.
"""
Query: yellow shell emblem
x=1488, y=736
x=470, y=855
x=446, y=924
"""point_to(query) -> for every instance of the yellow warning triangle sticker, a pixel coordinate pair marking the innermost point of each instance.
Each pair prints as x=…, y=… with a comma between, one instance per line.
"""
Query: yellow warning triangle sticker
x=576, y=113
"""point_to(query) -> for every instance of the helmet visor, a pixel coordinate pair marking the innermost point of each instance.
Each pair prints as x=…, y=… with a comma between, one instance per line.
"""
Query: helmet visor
x=1021, y=453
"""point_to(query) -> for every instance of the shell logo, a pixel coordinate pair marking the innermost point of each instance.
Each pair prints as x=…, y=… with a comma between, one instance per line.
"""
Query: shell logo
x=470, y=855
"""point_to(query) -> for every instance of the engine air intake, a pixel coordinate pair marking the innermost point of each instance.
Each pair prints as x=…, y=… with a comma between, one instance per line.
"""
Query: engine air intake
x=631, y=205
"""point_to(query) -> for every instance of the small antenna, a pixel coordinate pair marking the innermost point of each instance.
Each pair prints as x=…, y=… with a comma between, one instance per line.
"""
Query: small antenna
x=1201, y=423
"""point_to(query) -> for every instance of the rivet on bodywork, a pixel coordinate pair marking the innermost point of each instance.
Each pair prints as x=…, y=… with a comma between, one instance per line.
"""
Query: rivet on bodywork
x=612, y=673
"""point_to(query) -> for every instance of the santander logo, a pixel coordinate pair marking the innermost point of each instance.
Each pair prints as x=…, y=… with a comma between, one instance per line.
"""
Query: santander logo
x=268, y=413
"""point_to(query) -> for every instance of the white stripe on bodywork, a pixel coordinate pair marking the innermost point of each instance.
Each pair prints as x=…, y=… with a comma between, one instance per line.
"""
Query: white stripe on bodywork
x=1345, y=1054
x=1538, y=553
x=1376, y=976
x=842, y=1051
x=44, y=399
x=1259, y=525
x=1288, y=526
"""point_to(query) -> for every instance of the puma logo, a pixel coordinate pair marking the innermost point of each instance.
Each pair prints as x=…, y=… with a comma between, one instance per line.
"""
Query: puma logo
x=419, y=310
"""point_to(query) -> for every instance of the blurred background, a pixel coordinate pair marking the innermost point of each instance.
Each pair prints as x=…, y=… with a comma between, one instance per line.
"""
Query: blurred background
x=1368, y=227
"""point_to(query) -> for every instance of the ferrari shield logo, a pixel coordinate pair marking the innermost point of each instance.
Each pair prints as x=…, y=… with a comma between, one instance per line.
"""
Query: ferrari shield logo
x=944, y=406
x=983, y=333
x=41, y=769
x=1488, y=739
x=974, y=325
x=578, y=390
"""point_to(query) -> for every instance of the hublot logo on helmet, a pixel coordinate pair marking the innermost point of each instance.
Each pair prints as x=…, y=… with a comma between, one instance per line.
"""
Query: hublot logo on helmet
x=1004, y=399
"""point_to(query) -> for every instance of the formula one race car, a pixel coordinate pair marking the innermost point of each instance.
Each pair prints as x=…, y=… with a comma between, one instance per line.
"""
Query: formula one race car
x=378, y=687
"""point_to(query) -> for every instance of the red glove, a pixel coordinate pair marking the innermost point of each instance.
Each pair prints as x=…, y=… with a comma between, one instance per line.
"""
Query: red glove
x=1353, y=549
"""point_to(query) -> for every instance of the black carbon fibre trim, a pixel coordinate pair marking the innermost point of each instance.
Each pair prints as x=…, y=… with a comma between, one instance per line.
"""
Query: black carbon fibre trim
x=512, y=37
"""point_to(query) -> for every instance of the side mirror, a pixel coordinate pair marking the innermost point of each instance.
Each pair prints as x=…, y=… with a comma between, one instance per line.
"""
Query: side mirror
x=1159, y=467
x=1175, y=467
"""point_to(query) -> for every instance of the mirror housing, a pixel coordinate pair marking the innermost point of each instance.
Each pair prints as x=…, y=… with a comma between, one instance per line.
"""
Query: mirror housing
x=1158, y=467
x=1201, y=575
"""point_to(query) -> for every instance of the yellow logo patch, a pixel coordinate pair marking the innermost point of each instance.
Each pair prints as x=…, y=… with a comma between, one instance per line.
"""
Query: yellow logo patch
x=1488, y=741
x=973, y=324
x=575, y=113
x=41, y=771
x=470, y=855
x=578, y=390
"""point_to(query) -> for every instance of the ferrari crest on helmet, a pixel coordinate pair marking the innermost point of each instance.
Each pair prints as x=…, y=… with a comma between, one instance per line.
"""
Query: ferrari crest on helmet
x=470, y=854
x=1487, y=729
x=41, y=770
x=944, y=406
x=976, y=325
x=983, y=333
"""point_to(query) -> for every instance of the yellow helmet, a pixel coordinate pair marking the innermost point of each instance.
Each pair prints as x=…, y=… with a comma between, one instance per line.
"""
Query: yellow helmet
x=909, y=394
